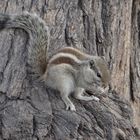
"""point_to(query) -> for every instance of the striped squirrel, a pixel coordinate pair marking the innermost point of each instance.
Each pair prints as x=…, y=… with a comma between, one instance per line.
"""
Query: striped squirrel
x=69, y=70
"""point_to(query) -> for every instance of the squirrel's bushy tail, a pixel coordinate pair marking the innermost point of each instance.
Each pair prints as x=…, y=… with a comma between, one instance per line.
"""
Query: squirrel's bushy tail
x=38, y=37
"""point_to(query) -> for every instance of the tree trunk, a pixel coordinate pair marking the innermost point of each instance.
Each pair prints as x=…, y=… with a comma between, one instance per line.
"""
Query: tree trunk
x=30, y=111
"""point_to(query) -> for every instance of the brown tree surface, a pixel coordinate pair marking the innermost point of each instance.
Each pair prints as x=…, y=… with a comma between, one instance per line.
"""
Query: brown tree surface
x=30, y=111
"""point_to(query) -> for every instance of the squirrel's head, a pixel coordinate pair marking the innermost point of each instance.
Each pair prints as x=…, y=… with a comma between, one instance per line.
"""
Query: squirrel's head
x=95, y=71
x=88, y=74
x=101, y=69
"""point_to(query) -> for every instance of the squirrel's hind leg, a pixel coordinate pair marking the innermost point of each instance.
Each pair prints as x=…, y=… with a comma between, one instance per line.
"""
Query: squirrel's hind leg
x=67, y=101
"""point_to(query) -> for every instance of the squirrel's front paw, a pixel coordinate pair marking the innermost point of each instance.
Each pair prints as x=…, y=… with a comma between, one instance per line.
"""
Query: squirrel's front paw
x=95, y=98
x=102, y=90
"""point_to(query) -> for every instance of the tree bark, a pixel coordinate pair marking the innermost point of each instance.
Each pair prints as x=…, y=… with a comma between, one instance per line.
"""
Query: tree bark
x=110, y=28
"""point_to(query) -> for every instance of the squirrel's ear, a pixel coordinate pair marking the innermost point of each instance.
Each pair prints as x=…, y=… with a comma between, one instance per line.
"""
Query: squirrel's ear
x=91, y=62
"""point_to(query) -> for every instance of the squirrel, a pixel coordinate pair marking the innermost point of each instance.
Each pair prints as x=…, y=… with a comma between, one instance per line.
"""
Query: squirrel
x=69, y=70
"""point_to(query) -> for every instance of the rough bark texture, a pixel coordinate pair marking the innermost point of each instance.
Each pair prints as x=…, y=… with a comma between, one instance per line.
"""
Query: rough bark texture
x=29, y=111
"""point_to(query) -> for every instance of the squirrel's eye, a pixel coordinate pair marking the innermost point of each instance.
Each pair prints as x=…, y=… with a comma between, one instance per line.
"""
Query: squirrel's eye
x=98, y=74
